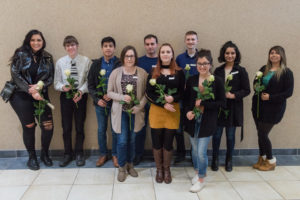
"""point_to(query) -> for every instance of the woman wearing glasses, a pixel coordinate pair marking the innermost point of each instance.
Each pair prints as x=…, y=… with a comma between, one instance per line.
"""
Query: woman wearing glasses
x=201, y=113
x=126, y=87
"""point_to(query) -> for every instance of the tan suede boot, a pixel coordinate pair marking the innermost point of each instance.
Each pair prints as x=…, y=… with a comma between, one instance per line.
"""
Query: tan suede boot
x=167, y=158
x=158, y=158
x=131, y=170
x=122, y=174
x=268, y=165
x=259, y=162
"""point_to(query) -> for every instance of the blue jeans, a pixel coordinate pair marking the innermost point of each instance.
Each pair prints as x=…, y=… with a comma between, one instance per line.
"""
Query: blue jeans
x=126, y=140
x=141, y=135
x=230, y=140
x=102, y=119
x=199, y=151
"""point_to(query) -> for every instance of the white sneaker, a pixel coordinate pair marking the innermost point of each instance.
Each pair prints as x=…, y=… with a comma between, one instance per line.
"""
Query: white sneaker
x=195, y=179
x=197, y=187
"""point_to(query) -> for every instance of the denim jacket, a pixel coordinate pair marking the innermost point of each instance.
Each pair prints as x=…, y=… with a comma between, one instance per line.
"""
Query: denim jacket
x=20, y=70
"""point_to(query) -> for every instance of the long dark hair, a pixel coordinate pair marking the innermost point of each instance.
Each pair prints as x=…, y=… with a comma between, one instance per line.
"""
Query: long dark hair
x=26, y=45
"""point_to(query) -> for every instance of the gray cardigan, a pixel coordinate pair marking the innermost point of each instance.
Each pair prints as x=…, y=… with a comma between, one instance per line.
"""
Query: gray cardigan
x=114, y=91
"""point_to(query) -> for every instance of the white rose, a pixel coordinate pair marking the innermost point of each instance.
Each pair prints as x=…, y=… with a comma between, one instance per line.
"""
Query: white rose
x=102, y=72
x=129, y=88
x=152, y=81
x=229, y=77
x=211, y=78
x=187, y=67
x=259, y=74
x=40, y=85
x=67, y=72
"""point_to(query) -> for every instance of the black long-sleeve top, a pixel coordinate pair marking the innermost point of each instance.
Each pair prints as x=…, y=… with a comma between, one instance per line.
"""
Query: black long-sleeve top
x=240, y=88
x=272, y=110
x=211, y=107
x=93, y=79
x=171, y=81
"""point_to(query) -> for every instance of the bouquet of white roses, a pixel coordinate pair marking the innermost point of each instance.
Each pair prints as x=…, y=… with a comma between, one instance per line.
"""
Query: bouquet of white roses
x=205, y=95
x=73, y=91
x=102, y=84
x=160, y=89
x=258, y=87
x=134, y=101
x=40, y=105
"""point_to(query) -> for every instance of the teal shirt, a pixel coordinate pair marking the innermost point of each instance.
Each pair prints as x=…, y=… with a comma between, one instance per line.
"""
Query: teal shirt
x=267, y=78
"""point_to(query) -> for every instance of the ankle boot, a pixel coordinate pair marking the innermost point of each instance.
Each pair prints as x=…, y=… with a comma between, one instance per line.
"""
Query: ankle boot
x=122, y=174
x=158, y=158
x=260, y=161
x=268, y=165
x=228, y=163
x=32, y=161
x=167, y=158
x=215, y=163
x=131, y=170
x=45, y=158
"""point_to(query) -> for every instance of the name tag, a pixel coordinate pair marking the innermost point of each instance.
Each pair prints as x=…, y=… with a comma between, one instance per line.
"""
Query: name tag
x=153, y=66
x=135, y=77
x=171, y=78
x=193, y=65
x=236, y=72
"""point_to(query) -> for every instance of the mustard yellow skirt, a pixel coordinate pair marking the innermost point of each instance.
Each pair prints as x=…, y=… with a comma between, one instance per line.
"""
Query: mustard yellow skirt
x=162, y=118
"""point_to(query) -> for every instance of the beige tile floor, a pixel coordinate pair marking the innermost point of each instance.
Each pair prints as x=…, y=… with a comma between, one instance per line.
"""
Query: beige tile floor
x=101, y=183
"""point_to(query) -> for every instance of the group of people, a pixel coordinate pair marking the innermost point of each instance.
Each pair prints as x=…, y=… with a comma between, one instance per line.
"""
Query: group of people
x=173, y=94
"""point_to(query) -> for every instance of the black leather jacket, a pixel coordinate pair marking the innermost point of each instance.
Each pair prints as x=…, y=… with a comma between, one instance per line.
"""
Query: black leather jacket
x=20, y=73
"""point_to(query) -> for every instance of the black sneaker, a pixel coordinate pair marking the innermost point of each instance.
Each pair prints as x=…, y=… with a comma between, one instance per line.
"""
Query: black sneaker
x=67, y=159
x=80, y=160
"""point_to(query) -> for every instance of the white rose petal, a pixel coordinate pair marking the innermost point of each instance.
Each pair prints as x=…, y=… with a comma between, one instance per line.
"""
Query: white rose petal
x=259, y=74
x=102, y=72
x=211, y=78
x=229, y=77
x=187, y=67
x=152, y=81
x=129, y=88
x=40, y=85
x=67, y=72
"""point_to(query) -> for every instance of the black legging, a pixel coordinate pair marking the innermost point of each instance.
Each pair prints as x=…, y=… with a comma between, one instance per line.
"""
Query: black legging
x=264, y=143
x=22, y=103
x=162, y=138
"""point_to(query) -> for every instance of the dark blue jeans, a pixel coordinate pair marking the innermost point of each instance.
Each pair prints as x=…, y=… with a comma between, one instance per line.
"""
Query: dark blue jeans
x=126, y=140
x=102, y=119
x=230, y=140
x=141, y=135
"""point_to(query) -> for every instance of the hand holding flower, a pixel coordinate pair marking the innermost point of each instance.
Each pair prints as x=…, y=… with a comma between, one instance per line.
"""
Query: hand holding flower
x=106, y=98
x=37, y=96
x=127, y=98
x=77, y=96
x=198, y=102
x=230, y=95
x=101, y=103
x=265, y=96
x=66, y=88
x=169, y=99
x=190, y=115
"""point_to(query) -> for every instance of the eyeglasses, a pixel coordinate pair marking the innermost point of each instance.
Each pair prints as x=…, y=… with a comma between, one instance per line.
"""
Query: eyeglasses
x=203, y=64
x=129, y=57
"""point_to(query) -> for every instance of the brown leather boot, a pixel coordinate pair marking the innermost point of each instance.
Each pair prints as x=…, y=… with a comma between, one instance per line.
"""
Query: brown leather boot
x=101, y=161
x=259, y=162
x=268, y=165
x=115, y=161
x=167, y=158
x=158, y=158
